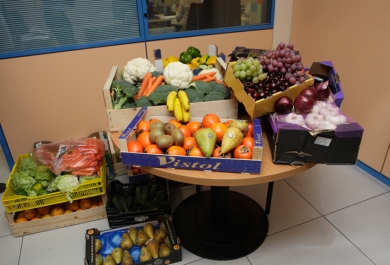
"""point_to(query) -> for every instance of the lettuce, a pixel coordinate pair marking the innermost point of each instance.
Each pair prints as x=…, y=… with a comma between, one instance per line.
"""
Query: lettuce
x=66, y=184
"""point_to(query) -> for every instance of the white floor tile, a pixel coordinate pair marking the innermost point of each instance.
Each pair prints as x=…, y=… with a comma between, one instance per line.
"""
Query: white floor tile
x=10, y=249
x=241, y=261
x=5, y=228
x=367, y=225
x=315, y=242
x=187, y=257
x=330, y=188
x=59, y=246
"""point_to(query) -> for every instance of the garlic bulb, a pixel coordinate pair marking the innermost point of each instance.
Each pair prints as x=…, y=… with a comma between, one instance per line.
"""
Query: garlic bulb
x=313, y=120
x=326, y=125
x=337, y=119
x=294, y=119
x=326, y=112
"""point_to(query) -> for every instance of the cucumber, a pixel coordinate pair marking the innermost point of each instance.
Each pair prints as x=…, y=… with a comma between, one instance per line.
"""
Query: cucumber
x=145, y=192
x=156, y=202
x=119, y=189
x=146, y=204
x=117, y=205
x=158, y=193
x=152, y=191
x=122, y=201
x=131, y=189
x=138, y=192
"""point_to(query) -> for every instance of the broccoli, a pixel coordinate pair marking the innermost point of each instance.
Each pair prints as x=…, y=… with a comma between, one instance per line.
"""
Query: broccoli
x=129, y=105
x=143, y=102
x=124, y=91
x=215, y=86
x=213, y=95
x=194, y=95
x=159, y=96
x=202, y=86
x=156, y=73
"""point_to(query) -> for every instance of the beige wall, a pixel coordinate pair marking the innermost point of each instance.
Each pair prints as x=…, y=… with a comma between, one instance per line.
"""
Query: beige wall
x=354, y=35
x=58, y=96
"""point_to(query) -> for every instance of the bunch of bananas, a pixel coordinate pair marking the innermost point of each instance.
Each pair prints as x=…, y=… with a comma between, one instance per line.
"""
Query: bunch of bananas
x=178, y=103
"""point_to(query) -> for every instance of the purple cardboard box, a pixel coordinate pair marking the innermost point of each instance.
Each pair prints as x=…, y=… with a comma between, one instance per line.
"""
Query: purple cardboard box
x=293, y=144
x=327, y=69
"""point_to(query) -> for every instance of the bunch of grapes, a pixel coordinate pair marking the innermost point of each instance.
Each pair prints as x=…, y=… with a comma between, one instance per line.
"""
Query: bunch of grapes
x=286, y=60
x=275, y=70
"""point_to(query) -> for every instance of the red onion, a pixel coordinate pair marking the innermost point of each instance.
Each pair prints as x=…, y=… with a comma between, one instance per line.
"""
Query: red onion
x=310, y=92
x=323, y=90
x=303, y=104
x=283, y=105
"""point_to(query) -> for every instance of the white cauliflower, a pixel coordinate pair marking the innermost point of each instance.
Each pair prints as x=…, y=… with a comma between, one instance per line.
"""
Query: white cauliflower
x=136, y=69
x=178, y=74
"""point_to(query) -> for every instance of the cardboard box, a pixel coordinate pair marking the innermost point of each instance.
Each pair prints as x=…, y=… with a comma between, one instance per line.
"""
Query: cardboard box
x=326, y=68
x=243, y=52
x=293, y=144
x=188, y=162
x=55, y=222
x=260, y=107
x=92, y=234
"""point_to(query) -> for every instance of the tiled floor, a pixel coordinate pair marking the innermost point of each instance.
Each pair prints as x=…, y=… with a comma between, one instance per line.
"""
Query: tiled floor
x=326, y=215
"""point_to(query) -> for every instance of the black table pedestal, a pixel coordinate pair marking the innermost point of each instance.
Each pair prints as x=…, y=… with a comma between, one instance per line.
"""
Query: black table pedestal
x=220, y=224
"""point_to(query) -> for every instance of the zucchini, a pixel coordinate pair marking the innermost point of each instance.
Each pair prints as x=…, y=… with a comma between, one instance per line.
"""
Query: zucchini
x=145, y=192
x=152, y=191
x=122, y=201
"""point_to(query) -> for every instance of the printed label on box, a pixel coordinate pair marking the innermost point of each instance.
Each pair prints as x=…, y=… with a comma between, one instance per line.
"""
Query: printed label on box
x=323, y=141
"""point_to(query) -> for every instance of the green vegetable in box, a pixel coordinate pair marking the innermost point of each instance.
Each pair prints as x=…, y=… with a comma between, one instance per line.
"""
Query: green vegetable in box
x=194, y=52
x=185, y=57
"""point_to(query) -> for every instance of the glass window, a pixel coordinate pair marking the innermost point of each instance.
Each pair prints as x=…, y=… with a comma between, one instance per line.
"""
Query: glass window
x=30, y=27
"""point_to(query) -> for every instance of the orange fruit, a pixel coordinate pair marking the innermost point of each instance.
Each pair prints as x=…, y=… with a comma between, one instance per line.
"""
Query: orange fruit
x=21, y=214
x=85, y=203
x=57, y=211
x=100, y=202
x=35, y=218
x=73, y=206
x=68, y=211
x=93, y=206
x=94, y=200
x=21, y=220
x=46, y=216
x=175, y=122
x=30, y=214
x=44, y=210
x=209, y=119
x=79, y=209
x=219, y=128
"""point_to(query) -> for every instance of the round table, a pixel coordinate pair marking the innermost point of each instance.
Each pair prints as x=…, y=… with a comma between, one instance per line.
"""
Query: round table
x=220, y=224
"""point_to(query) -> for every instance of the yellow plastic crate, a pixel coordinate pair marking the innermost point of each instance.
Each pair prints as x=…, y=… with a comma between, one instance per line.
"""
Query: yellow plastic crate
x=15, y=203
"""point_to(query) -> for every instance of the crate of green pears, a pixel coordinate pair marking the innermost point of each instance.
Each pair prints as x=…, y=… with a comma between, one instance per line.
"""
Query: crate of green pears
x=129, y=202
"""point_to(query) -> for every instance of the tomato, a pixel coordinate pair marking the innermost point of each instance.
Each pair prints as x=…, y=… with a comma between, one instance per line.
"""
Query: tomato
x=153, y=120
x=135, y=170
x=195, y=151
x=189, y=142
x=243, y=152
x=248, y=141
x=194, y=126
x=217, y=154
x=219, y=129
x=250, y=129
x=176, y=150
x=176, y=123
x=134, y=147
x=142, y=126
x=209, y=119
x=143, y=139
x=185, y=130
x=228, y=122
x=153, y=149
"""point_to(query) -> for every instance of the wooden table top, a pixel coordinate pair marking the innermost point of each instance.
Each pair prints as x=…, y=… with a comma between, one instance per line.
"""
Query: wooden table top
x=269, y=171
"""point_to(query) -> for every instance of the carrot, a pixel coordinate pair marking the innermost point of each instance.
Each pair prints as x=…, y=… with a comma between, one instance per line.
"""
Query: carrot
x=144, y=84
x=209, y=79
x=203, y=76
x=152, y=80
x=156, y=83
x=221, y=82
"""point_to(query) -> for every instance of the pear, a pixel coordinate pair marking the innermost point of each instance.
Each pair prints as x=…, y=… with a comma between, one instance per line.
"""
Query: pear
x=164, y=251
x=126, y=253
x=206, y=139
x=98, y=245
x=98, y=259
x=127, y=261
x=142, y=238
x=153, y=247
x=117, y=255
x=109, y=260
x=167, y=242
x=231, y=139
x=160, y=235
x=240, y=124
x=133, y=234
x=162, y=226
x=149, y=229
x=145, y=255
x=126, y=242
